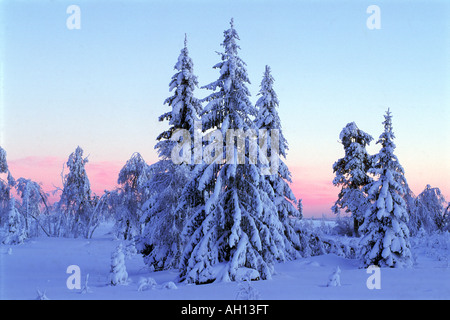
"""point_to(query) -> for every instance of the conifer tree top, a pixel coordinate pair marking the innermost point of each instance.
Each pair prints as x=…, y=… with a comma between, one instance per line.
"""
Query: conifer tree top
x=3, y=163
x=185, y=107
x=267, y=117
x=387, y=137
x=386, y=159
x=229, y=42
x=230, y=107
x=4, y=169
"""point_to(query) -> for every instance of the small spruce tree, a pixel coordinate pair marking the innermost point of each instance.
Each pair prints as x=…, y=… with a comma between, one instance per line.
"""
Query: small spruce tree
x=118, y=273
x=300, y=208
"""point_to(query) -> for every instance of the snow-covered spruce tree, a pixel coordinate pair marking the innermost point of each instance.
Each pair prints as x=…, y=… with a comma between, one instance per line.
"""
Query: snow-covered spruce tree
x=131, y=195
x=3, y=162
x=5, y=187
x=235, y=232
x=352, y=174
x=385, y=240
x=15, y=232
x=268, y=119
x=118, y=272
x=161, y=242
x=185, y=107
x=76, y=204
x=300, y=208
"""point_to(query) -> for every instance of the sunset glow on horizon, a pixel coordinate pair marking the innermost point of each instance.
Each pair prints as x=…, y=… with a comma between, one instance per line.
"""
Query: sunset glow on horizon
x=314, y=188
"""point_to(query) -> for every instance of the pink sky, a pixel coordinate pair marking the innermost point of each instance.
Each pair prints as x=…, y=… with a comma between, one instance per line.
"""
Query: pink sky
x=317, y=192
x=310, y=184
x=315, y=189
x=47, y=171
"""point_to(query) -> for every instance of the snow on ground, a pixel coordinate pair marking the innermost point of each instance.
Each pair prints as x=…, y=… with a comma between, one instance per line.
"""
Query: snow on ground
x=41, y=264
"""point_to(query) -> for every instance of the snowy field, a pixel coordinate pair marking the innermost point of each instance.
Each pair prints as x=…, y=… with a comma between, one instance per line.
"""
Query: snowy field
x=41, y=264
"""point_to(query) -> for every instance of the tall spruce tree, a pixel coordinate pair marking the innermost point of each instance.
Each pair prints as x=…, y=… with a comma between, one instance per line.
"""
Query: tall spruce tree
x=352, y=174
x=278, y=181
x=385, y=240
x=234, y=233
x=161, y=242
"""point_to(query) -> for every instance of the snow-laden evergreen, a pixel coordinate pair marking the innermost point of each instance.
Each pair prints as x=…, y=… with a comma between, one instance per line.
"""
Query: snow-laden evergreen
x=3, y=162
x=278, y=181
x=352, y=173
x=229, y=107
x=334, y=279
x=77, y=204
x=161, y=242
x=300, y=208
x=267, y=117
x=5, y=186
x=15, y=232
x=185, y=107
x=385, y=233
x=118, y=272
x=132, y=194
x=235, y=229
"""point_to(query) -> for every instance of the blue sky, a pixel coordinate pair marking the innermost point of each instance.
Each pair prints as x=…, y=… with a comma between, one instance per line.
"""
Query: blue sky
x=102, y=87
